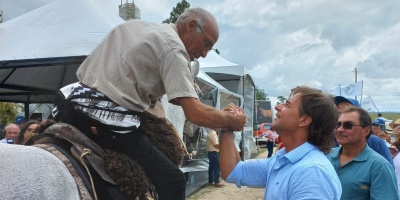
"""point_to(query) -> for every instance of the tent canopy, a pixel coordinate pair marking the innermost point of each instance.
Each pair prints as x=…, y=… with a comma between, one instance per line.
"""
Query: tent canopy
x=220, y=69
x=42, y=49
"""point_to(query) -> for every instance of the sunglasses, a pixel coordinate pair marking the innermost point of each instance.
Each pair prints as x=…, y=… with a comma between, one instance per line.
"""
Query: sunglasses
x=207, y=43
x=346, y=125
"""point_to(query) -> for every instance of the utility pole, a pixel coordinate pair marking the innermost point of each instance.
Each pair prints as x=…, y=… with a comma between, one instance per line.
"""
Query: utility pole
x=355, y=73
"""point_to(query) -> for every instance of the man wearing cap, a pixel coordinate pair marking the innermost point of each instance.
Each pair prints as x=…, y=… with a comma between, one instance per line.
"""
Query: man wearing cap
x=363, y=173
x=382, y=118
x=373, y=141
x=20, y=121
x=379, y=129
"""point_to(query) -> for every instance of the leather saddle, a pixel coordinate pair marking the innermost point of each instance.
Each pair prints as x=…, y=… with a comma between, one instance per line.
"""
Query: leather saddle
x=81, y=147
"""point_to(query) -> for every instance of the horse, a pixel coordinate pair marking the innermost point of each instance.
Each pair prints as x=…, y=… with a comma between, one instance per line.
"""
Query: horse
x=33, y=173
x=40, y=174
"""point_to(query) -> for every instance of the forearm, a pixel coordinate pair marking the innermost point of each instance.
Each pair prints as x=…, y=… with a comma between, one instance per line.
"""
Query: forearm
x=212, y=118
x=229, y=155
x=207, y=116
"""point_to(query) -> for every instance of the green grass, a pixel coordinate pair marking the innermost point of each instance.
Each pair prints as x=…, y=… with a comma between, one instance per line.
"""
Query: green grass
x=388, y=115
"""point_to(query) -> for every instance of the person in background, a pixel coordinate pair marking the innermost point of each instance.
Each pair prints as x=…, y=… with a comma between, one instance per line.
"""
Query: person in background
x=20, y=121
x=379, y=129
x=382, y=118
x=363, y=173
x=306, y=123
x=2, y=132
x=373, y=141
x=270, y=135
x=394, y=150
x=133, y=67
x=212, y=146
x=280, y=143
x=27, y=130
x=11, y=134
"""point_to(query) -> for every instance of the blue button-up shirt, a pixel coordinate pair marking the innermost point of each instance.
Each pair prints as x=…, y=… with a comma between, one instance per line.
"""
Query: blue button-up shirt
x=303, y=173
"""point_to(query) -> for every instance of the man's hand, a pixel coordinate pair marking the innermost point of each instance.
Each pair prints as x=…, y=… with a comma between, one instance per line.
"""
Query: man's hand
x=239, y=115
x=393, y=151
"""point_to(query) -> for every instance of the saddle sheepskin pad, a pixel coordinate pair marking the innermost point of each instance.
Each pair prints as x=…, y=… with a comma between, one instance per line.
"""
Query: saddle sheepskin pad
x=33, y=173
x=163, y=136
x=129, y=175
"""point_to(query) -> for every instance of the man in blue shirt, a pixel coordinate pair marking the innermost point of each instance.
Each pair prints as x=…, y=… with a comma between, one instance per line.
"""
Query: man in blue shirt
x=300, y=170
x=363, y=173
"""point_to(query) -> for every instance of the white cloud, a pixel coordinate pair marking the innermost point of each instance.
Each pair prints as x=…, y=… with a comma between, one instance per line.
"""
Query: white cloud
x=318, y=43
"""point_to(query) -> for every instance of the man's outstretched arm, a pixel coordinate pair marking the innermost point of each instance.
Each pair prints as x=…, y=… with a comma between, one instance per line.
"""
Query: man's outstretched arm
x=229, y=156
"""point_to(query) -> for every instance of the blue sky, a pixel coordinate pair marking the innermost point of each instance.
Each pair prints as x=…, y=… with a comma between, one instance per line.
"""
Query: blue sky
x=283, y=43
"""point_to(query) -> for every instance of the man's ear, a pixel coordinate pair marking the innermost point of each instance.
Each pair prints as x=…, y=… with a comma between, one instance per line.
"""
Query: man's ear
x=367, y=130
x=191, y=25
x=305, y=120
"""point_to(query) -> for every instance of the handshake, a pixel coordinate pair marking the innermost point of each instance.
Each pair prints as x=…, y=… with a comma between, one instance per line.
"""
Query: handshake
x=239, y=118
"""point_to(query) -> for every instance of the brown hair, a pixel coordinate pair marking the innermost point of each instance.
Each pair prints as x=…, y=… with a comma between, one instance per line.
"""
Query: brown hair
x=323, y=112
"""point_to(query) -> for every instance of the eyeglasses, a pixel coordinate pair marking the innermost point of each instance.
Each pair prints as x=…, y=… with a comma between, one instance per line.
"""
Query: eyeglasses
x=346, y=125
x=207, y=43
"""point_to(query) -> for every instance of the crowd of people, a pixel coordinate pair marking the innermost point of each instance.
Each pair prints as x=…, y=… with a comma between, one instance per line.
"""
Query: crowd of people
x=361, y=158
x=19, y=131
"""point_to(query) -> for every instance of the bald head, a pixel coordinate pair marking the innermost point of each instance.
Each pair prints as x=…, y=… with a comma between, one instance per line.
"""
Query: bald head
x=198, y=30
x=204, y=18
x=12, y=132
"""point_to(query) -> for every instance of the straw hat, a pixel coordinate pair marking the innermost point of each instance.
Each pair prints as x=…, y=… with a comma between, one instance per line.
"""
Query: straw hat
x=395, y=124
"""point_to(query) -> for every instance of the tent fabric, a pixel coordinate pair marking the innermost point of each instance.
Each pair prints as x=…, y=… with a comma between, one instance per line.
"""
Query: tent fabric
x=214, y=63
x=42, y=49
x=58, y=29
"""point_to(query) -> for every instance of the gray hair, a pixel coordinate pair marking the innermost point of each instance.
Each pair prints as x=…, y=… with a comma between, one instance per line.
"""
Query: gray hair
x=198, y=14
x=11, y=125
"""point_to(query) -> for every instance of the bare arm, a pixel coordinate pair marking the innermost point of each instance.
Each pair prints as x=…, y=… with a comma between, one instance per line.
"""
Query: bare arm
x=207, y=116
x=229, y=156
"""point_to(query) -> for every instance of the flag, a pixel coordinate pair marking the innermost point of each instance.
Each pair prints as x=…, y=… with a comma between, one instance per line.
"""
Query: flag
x=335, y=91
x=368, y=105
x=351, y=90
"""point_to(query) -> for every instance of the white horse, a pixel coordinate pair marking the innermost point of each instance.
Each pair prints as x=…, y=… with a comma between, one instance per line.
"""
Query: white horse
x=33, y=173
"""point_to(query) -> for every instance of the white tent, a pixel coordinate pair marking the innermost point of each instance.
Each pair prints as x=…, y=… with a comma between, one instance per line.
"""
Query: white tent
x=58, y=29
x=215, y=64
x=233, y=78
x=41, y=50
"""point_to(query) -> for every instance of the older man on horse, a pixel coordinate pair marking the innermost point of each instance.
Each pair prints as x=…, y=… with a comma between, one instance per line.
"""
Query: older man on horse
x=136, y=64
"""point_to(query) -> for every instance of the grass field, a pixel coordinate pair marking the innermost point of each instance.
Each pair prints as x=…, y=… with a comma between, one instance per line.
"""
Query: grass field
x=388, y=115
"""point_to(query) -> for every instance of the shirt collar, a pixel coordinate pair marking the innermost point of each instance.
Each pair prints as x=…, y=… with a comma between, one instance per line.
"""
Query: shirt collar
x=297, y=153
x=363, y=156
x=174, y=27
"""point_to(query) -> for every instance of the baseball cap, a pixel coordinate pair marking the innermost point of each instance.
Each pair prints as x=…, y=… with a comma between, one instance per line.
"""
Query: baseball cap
x=19, y=120
x=378, y=122
x=340, y=99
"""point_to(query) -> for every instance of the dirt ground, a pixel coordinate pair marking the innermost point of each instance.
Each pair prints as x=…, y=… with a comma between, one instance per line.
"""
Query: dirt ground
x=230, y=191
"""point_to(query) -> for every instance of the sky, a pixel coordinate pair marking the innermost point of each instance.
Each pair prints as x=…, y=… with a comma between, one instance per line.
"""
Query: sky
x=283, y=44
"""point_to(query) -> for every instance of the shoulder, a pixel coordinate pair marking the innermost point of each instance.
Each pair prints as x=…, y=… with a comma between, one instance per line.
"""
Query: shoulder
x=375, y=157
x=334, y=152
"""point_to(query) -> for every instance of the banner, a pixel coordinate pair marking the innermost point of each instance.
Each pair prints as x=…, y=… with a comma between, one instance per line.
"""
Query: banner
x=335, y=91
x=368, y=105
x=351, y=90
